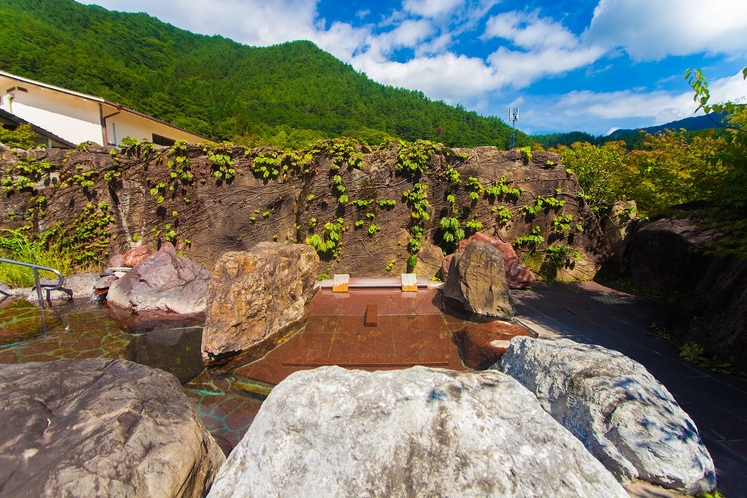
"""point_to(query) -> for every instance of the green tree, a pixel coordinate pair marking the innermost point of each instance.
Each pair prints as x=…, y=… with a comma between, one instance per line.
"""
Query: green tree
x=22, y=137
x=222, y=89
x=602, y=171
x=729, y=194
x=673, y=168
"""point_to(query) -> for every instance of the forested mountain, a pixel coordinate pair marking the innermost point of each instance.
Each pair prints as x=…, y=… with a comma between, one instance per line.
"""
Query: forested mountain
x=292, y=92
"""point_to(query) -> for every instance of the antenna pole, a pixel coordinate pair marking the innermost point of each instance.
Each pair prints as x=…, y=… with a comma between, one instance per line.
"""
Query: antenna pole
x=513, y=116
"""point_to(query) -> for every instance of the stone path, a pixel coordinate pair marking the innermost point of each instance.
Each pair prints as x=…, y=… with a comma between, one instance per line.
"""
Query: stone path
x=591, y=313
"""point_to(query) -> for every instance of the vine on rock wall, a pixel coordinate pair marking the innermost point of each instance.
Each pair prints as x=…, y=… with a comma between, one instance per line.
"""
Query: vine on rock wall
x=360, y=191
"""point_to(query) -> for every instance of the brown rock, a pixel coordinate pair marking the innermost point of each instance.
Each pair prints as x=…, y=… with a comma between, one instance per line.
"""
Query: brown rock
x=430, y=260
x=257, y=295
x=225, y=444
x=482, y=344
x=669, y=254
x=618, y=226
x=100, y=427
x=477, y=283
x=136, y=255
x=518, y=275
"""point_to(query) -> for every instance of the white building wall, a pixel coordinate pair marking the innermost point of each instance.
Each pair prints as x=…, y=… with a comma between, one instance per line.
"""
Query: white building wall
x=127, y=124
x=77, y=117
x=72, y=118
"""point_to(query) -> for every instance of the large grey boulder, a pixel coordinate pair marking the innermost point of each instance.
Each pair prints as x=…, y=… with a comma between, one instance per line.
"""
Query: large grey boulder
x=100, y=427
x=255, y=295
x=518, y=276
x=162, y=282
x=477, y=282
x=624, y=416
x=415, y=432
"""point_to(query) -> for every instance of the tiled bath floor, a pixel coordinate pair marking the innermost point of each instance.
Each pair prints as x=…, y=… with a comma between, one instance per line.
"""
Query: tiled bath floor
x=410, y=330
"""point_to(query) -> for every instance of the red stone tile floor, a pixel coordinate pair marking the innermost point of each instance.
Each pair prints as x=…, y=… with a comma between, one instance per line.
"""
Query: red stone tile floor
x=411, y=330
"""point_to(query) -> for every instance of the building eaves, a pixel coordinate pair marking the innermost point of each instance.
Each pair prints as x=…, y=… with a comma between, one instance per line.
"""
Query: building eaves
x=51, y=87
x=97, y=99
x=37, y=129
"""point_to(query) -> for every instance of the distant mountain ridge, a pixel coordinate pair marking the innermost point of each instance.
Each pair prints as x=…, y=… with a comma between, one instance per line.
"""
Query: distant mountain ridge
x=694, y=123
x=630, y=136
x=288, y=93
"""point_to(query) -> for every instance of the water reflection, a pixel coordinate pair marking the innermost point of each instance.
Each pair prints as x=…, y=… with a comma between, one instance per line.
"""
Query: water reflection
x=175, y=350
x=20, y=320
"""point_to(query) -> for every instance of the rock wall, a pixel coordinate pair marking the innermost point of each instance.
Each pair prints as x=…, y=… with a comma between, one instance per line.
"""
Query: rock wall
x=209, y=200
x=670, y=255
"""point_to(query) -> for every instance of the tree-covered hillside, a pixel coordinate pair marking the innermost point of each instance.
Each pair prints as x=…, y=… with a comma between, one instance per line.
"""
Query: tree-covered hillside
x=290, y=93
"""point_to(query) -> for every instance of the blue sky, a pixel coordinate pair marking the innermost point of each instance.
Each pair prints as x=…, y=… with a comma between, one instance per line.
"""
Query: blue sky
x=587, y=65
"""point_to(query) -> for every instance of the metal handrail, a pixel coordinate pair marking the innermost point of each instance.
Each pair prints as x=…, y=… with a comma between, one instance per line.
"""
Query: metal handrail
x=47, y=287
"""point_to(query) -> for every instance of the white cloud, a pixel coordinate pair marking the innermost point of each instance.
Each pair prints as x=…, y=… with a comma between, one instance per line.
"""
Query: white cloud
x=446, y=77
x=733, y=88
x=529, y=31
x=253, y=22
x=599, y=112
x=549, y=48
x=653, y=29
x=520, y=69
x=378, y=48
x=431, y=8
x=626, y=104
x=341, y=40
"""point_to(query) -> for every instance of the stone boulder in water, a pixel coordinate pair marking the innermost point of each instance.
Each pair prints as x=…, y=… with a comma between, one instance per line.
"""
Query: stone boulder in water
x=162, y=282
x=518, y=276
x=482, y=344
x=255, y=295
x=477, y=283
x=100, y=427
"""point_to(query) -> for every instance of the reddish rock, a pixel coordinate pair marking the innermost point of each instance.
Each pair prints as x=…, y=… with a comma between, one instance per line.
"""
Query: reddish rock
x=518, y=276
x=136, y=255
x=482, y=344
x=225, y=445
